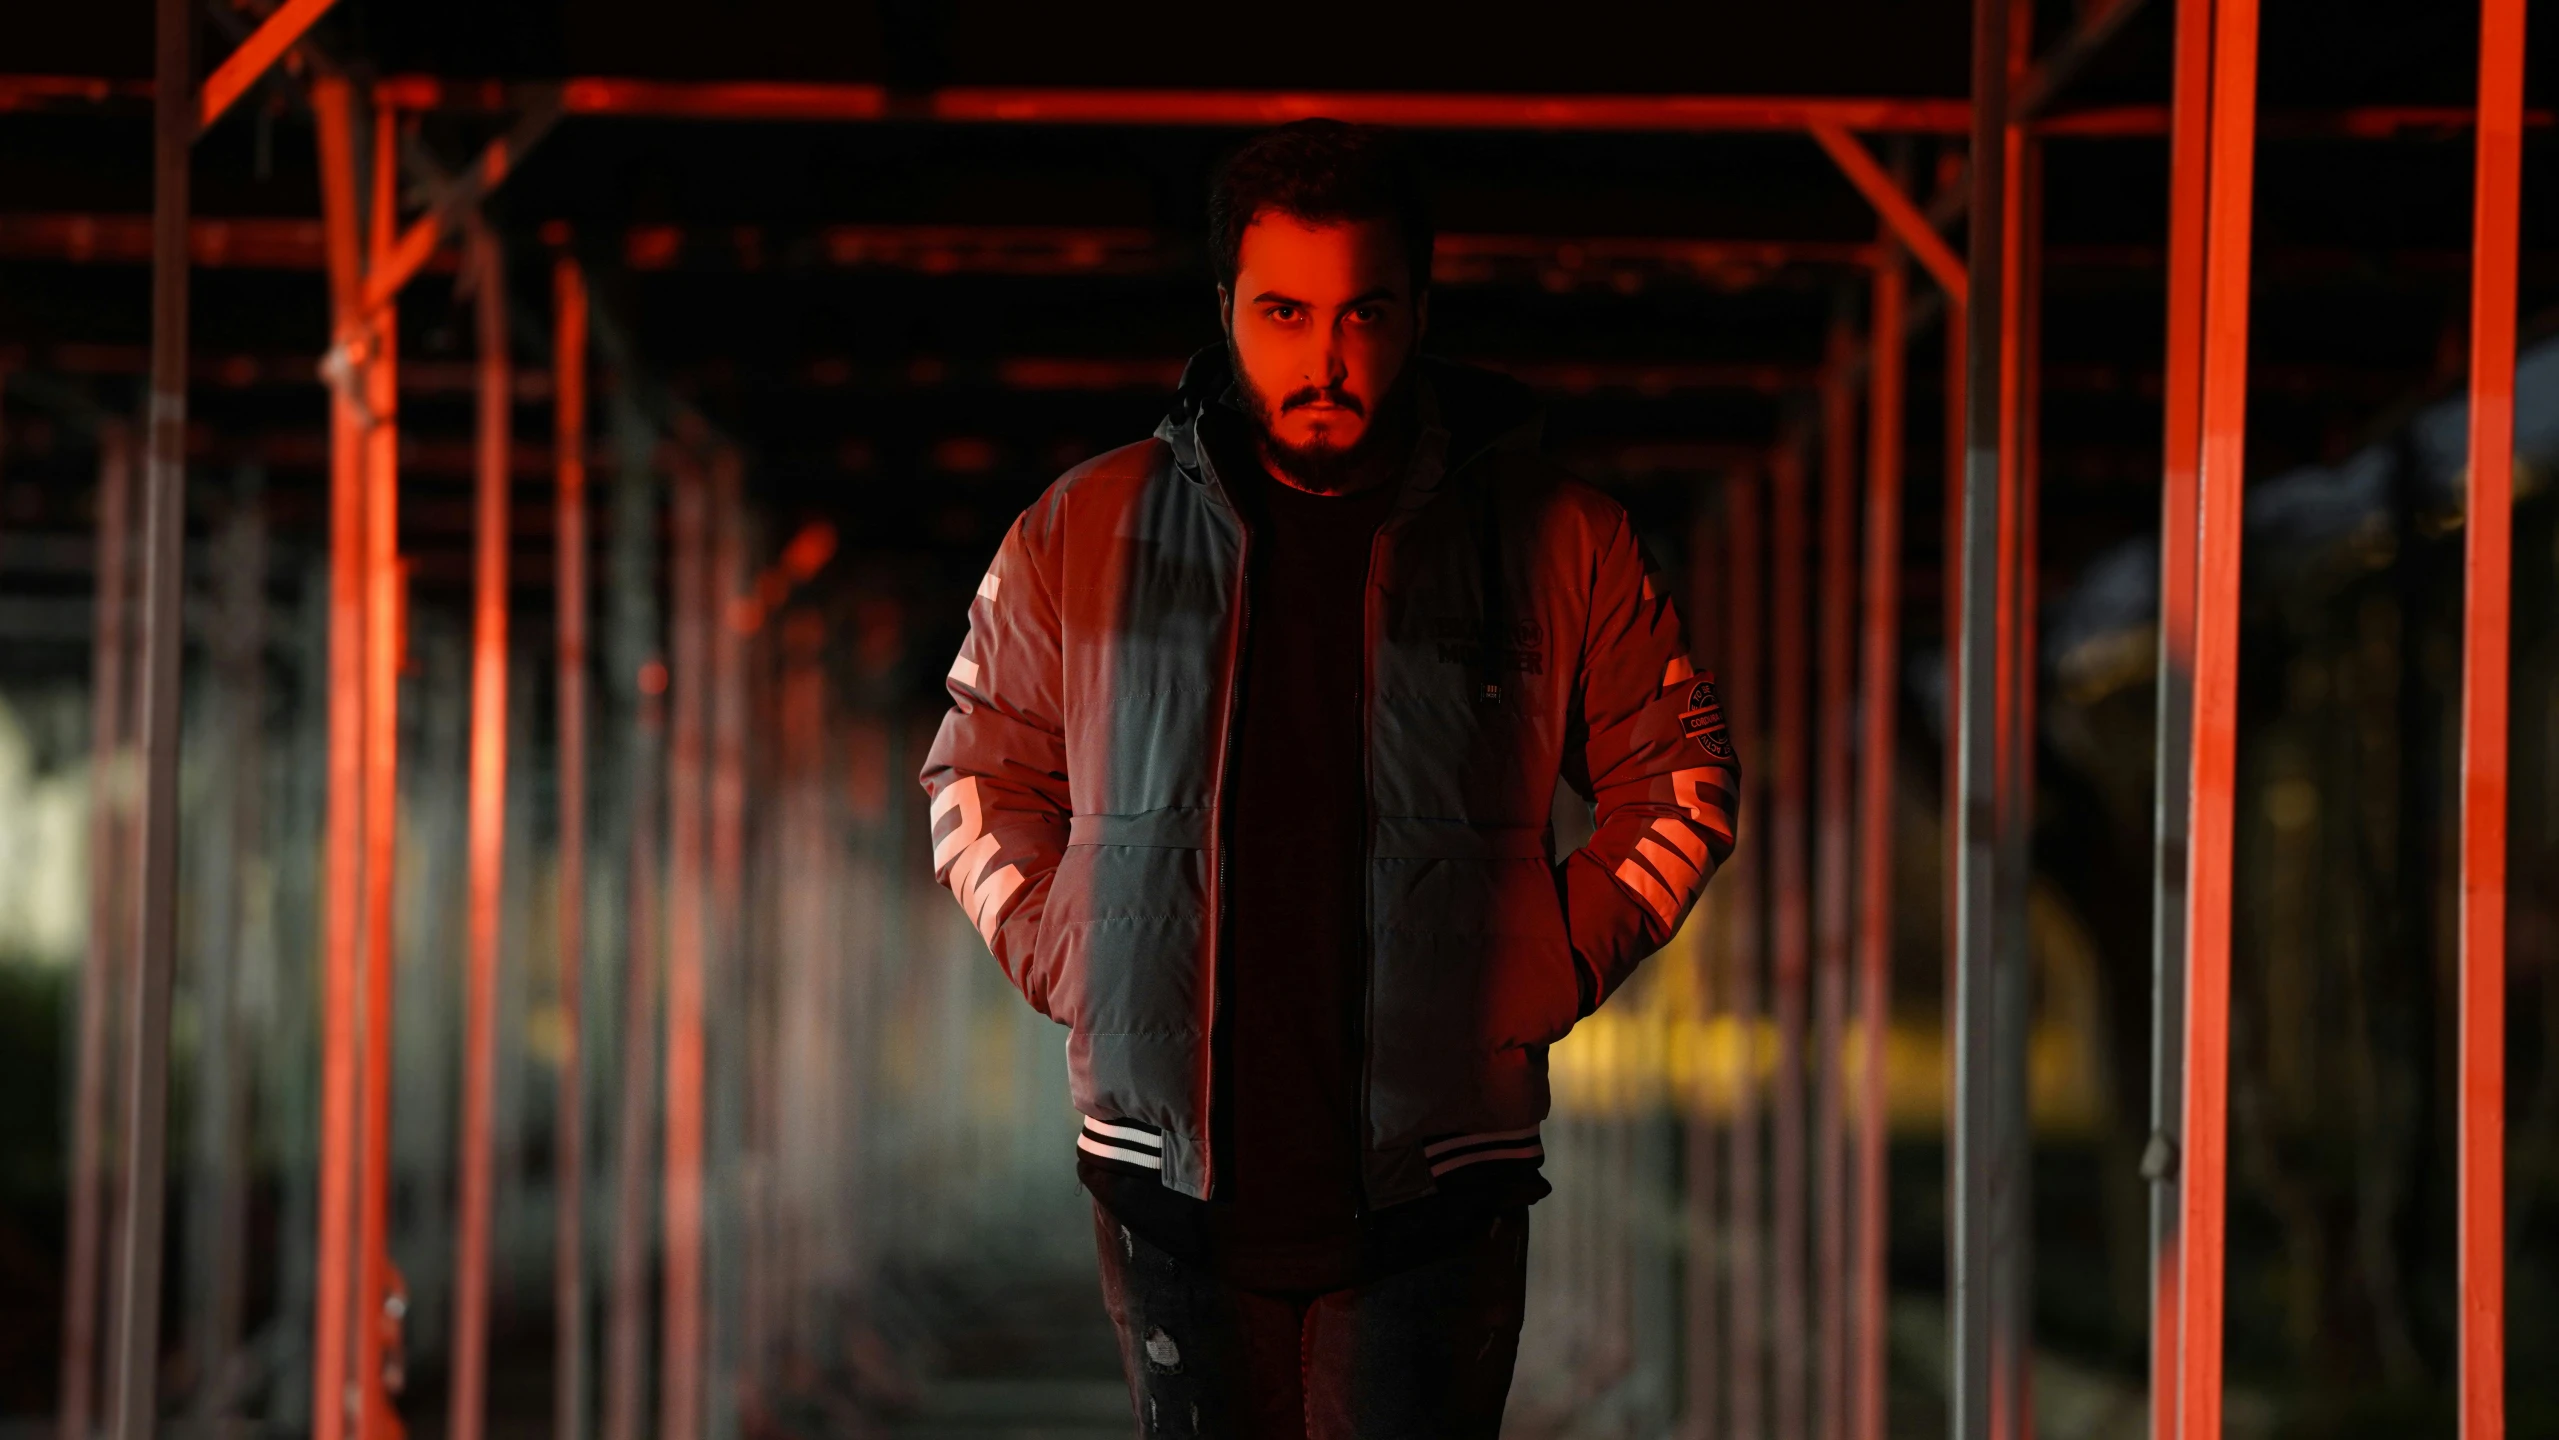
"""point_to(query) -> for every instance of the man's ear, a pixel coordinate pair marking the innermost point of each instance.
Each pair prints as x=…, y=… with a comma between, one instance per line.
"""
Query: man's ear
x=1226, y=311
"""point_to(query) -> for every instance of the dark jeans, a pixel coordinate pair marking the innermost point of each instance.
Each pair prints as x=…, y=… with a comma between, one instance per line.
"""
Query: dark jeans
x=1423, y=1353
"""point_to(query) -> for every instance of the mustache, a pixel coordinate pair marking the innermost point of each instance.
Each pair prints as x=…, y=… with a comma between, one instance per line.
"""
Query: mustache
x=1314, y=394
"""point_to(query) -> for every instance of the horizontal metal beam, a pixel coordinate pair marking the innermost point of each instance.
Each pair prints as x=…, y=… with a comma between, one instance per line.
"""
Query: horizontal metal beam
x=868, y=104
x=1244, y=109
x=244, y=66
x=1553, y=261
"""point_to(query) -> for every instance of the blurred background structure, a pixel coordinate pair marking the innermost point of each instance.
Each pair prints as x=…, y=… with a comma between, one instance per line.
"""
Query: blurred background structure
x=488, y=493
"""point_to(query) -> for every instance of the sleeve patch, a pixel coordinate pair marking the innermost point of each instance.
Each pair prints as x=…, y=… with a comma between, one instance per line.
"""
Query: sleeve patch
x=987, y=587
x=964, y=670
x=1703, y=720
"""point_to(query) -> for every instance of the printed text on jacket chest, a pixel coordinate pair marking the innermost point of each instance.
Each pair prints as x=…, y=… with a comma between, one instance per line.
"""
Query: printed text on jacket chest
x=1461, y=642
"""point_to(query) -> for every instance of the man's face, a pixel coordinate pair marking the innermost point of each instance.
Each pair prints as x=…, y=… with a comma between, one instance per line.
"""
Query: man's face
x=1322, y=321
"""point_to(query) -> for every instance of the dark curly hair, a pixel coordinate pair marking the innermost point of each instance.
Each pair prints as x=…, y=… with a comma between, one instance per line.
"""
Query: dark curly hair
x=1325, y=172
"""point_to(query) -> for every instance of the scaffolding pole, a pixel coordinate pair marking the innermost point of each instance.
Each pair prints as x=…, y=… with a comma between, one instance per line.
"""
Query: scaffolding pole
x=1874, y=821
x=133, y=1395
x=2216, y=720
x=2188, y=164
x=680, y=1318
x=1788, y=679
x=102, y=970
x=1834, y=722
x=467, y=1400
x=568, y=1274
x=729, y=624
x=341, y=851
x=1746, y=884
x=1973, y=1043
x=379, y=1305
x=2487, y=601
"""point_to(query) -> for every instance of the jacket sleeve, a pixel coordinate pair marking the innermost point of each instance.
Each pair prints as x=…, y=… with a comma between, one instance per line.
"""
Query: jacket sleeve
x=1652, y=752
x=997, y=769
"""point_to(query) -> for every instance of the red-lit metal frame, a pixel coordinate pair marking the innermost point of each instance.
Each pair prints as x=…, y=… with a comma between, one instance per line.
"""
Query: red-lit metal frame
x=1791, y=963
x=1877, y=691
x=102, y=969
x=376, y=1319
x=1702, y=1218
x=1906, y=220
x=133, y=1389
x=2189, y=156
x=1035, y=105
x=486, y=826
x=241, y=69
x=1975, y=712
x=680, y=1319
x=728, y=612
x=2487, y=600
x=2042, y=83
x=401, y=260
x=333, y=105
x=864, y=104
x=626, y=1336
x=1834, y=788
x=568, y=390
x=1745, y=882
x=2203, y=1178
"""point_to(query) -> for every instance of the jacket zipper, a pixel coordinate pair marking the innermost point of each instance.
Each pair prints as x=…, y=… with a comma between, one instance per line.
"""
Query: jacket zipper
x=1368, y=847
x=1217, y=829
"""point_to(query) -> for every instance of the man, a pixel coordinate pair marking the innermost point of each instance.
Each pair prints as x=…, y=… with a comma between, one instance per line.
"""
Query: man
x=1247, y=780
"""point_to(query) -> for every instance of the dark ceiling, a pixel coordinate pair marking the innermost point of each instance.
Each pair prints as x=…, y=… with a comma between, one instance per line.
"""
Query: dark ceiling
x=890, y=398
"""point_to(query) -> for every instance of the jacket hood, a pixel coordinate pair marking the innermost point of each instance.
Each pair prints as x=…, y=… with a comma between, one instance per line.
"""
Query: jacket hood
x=1481, y=410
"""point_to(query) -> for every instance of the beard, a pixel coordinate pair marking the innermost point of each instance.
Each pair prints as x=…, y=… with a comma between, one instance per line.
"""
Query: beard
x=1320, y=465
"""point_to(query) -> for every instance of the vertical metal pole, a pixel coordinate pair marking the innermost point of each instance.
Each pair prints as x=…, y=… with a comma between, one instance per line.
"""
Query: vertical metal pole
x=726, y=590
x=2216, y=722
x=1788, y=677
x=376, y=1323
x=1701, y=1225
x=132, y=1391
x=342, y=822
x=1833, y=770
x=1746, y=1368
x=234, y=962
x=2011, y=1152
x=1950, y=173
x=680, y=1322
x=2486, y=603
x=568, y=1278
x=1976, y=822
x=1875, y=831
x=627, y=1337
x=634, y=652
x=102, y=968
x=492, y=522
x=2188, y=161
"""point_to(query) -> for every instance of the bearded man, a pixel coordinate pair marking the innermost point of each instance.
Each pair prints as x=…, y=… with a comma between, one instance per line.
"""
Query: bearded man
x=1248, y=781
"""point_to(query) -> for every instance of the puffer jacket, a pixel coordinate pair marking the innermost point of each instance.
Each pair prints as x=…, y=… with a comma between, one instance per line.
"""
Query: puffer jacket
x=1515, y=634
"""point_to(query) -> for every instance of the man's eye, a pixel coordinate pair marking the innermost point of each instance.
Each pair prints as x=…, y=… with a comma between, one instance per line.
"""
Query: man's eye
x=1368, y=314
x=1283, y=313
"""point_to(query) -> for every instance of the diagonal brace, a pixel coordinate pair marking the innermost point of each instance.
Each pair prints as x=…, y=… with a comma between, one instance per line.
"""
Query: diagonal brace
x=410, y=251
x=233, y=77
x=2043, y=83
x=1908, y=224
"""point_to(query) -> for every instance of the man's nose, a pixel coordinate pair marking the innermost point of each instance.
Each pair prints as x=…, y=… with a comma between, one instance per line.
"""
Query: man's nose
x=1335, y=369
